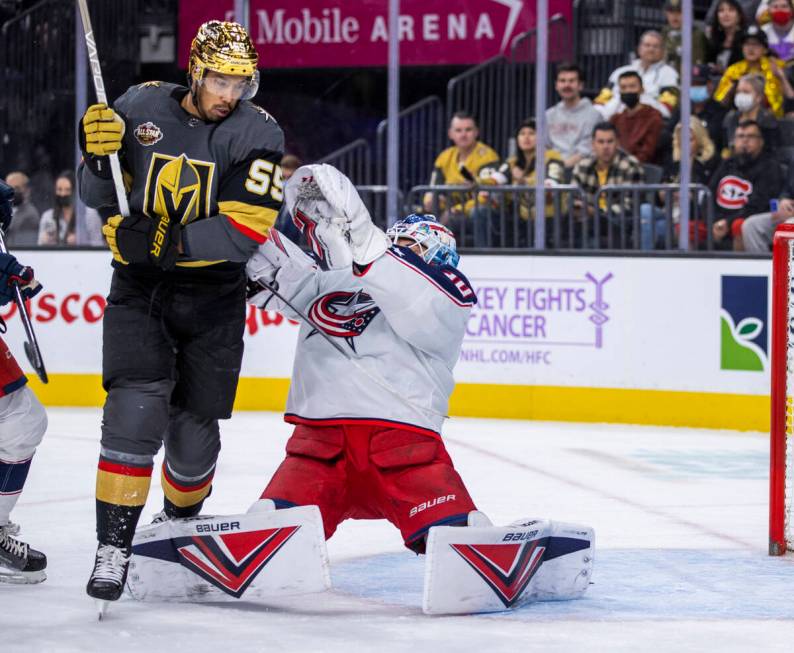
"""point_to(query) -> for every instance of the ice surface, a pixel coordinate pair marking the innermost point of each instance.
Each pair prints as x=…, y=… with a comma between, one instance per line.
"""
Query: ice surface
x=681, y=534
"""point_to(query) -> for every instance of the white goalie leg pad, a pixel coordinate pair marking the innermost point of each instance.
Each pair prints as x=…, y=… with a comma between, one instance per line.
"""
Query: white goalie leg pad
x=491, y=569
x=258, y=555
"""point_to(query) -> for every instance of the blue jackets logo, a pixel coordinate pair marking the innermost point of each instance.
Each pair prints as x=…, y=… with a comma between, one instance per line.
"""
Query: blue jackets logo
x=744, y=334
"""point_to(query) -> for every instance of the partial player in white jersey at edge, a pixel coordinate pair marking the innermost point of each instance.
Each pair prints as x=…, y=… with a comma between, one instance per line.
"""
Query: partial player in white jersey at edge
x=23, y=422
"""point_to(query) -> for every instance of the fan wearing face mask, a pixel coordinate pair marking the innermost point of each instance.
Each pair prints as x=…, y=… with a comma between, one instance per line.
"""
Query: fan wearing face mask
x=58, y=224
x=780, y=28
x=748, y=105
x=638, y=124
x=757, y=60
x=703, y=107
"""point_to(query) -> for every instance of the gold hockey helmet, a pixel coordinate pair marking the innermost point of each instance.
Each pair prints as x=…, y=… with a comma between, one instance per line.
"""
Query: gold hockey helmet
x=225, y=48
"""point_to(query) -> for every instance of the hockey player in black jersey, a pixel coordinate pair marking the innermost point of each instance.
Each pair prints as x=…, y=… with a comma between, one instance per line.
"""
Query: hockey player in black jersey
x=201, y=166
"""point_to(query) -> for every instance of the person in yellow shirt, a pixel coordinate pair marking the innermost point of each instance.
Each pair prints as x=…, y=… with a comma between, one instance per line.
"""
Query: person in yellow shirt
x=756, y=60
x=467, y=163
x=496, y=216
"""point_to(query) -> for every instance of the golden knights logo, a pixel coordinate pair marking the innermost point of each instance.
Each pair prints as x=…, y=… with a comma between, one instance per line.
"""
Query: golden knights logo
x=178, y=187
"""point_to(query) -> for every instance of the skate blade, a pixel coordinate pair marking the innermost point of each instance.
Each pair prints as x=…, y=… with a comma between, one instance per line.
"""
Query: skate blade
x=101, y=608
x=22, y=577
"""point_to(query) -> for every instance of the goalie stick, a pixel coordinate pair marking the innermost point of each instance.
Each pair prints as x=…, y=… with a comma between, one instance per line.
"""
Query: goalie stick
x=101, y=96
x=385, y=385
x=32, y=350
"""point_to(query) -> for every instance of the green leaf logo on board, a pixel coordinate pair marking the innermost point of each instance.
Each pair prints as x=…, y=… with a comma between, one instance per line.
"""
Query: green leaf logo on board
x=743, y=324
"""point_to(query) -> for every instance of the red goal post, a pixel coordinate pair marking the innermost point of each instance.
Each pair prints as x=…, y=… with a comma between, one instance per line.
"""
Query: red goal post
x=781, y=449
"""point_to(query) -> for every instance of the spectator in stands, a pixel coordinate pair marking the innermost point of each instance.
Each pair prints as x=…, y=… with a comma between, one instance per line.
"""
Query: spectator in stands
x=748, y=101
x=659, y=80
x=58, y=225
x=726, y=27
x=672, y=37
x=518, y=170
x=570, y=122
x=705, y=158
x=707, y=110
x=289, y=164
x=466, y=163
x=24, y=229
x=638, y=124
x=758, y=230
x=780, y=29
x=743, y=185
x=747, y=7
x=607, y=166
x=754, y=50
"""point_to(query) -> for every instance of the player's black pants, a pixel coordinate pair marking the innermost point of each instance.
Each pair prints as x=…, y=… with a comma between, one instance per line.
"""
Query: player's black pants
x=171, y=354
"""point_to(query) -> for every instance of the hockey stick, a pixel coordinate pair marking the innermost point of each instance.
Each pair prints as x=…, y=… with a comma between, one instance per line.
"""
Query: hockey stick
x=385, y=385
x=101, y=96
x=31, y=346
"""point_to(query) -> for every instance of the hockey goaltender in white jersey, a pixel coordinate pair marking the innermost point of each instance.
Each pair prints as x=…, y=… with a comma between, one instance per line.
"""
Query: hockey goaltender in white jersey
x=382, y=330
x=402, y=318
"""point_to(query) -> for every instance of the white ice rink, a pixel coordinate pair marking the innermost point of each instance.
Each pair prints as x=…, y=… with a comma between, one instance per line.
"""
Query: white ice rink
x=681, y=533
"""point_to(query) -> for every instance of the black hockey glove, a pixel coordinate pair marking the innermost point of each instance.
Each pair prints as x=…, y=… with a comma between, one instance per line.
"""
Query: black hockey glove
x=13, y=274
x=141, y=239
x=6, y=195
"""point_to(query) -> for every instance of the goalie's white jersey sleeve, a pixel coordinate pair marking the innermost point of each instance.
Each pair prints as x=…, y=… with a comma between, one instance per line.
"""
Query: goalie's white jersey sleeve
x=402, y=319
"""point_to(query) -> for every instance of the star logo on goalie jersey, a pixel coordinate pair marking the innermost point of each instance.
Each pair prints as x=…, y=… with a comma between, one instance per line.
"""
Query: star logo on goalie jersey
x=343, y=314
x=506, y=568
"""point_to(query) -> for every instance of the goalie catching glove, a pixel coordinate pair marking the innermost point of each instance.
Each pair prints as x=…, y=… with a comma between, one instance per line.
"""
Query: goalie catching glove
x=322, y=195
x=140, y=239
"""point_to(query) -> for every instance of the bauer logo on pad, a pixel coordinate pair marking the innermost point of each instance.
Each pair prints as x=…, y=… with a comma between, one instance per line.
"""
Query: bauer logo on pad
x=743, y=323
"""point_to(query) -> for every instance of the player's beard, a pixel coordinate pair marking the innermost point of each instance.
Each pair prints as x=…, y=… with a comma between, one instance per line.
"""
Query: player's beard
x=210, y=115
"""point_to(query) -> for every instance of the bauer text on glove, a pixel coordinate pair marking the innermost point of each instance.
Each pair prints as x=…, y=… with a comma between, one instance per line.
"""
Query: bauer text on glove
x=141, y=239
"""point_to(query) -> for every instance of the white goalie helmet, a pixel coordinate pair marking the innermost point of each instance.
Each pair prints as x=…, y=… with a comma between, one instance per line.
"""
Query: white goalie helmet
x=436, y=242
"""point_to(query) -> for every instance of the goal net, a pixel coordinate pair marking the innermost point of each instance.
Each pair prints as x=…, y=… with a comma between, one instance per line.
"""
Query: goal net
x=781, y=478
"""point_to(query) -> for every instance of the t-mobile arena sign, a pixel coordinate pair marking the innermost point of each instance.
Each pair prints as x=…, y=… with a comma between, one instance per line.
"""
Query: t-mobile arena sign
x=339, y=33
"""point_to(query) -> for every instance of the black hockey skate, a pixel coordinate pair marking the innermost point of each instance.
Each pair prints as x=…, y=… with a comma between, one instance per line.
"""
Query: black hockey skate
x=18, y=562
x=109, y=575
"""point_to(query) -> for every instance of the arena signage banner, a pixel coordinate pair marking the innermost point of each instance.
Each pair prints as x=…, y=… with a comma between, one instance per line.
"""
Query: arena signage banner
x=658, y=324
x=649, y=340
x=336, y=34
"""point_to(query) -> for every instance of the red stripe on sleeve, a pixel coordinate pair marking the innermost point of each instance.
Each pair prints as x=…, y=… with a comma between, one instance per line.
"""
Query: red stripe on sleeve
x=247, y=231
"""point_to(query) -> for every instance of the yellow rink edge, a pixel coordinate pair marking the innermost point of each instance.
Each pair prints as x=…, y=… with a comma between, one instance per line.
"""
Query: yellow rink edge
x=553, y=403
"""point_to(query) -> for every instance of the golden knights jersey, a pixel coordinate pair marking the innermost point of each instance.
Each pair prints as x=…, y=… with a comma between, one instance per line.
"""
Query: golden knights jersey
x=446, y=169
x=402, y=319
x=221, y=180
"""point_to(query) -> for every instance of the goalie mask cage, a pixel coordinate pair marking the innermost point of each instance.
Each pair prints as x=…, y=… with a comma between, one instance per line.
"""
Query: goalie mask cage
x=781, y=450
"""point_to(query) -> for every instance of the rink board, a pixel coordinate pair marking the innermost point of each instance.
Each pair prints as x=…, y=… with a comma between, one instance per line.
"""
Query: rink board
x=613, y=339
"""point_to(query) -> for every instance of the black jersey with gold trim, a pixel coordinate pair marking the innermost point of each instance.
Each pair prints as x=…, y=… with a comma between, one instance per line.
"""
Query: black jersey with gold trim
x=221, y=180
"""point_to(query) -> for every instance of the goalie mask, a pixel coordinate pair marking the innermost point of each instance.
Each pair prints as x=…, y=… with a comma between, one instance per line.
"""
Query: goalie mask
x=224, y=48
x=436, y=242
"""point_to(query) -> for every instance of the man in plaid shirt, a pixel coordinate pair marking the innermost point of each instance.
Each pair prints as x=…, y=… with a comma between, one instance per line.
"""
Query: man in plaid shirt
x=608, y=165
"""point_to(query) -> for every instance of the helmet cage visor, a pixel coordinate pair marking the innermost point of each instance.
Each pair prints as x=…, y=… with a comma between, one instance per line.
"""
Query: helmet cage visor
x=436, y=243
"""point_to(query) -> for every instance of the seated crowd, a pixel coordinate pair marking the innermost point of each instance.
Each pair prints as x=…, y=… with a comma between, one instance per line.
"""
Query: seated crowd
x=742, y=108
